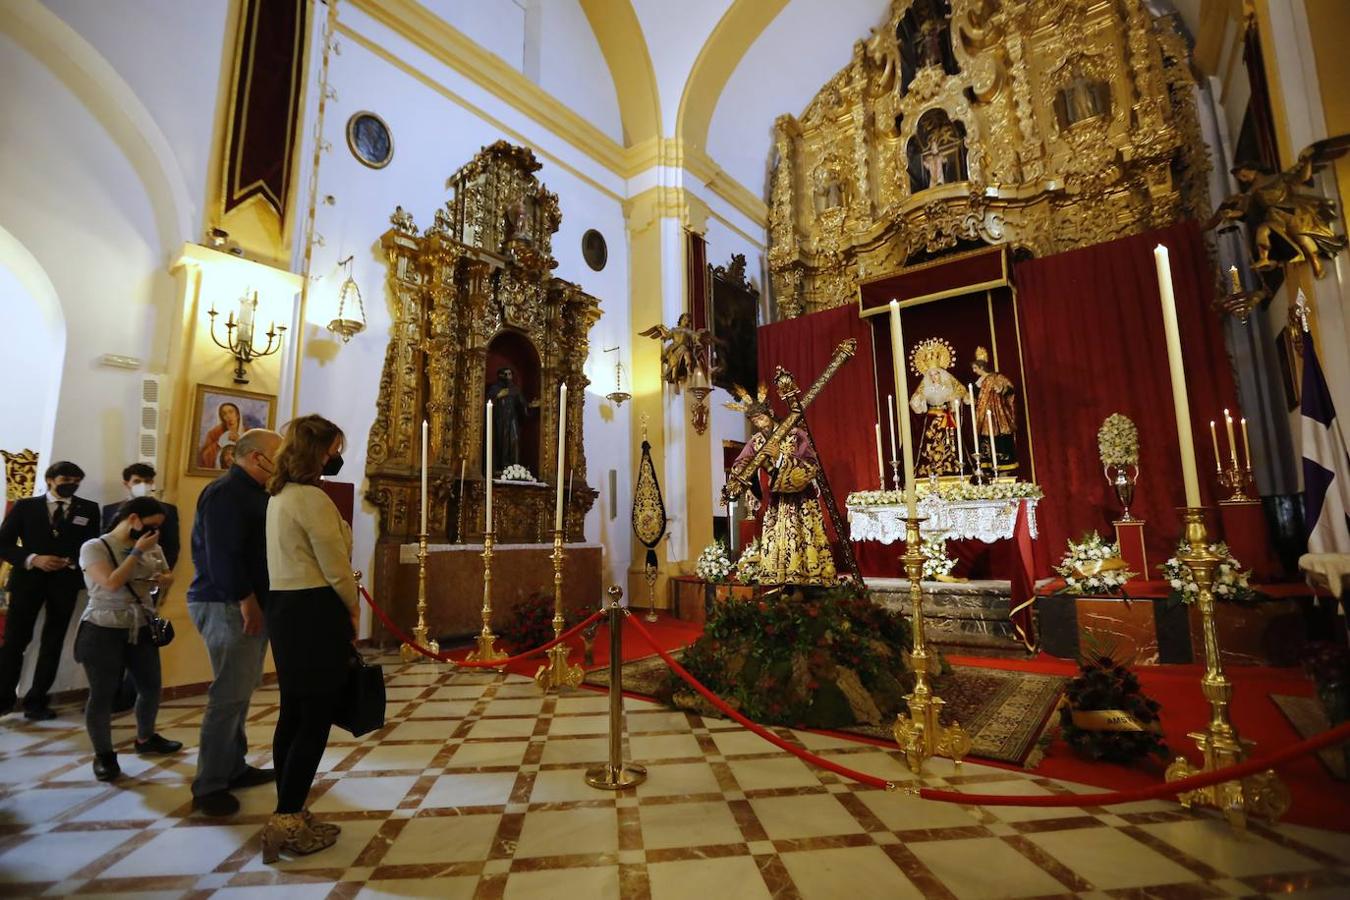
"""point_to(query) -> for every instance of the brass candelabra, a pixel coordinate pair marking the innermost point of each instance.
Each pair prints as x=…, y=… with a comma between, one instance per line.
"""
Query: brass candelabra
x=420, y=630
x=921, y=734
x=1237, y=479
x=487, y=650
x=1262, y=794
x=558, y=671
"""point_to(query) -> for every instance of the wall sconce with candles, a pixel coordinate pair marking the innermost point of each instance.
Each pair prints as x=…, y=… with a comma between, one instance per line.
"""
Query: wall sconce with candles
x=618, y=395
x=239, y=335
x=349, y=304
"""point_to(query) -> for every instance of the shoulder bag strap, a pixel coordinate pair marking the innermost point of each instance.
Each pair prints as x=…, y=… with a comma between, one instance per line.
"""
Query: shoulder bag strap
x=115, y=563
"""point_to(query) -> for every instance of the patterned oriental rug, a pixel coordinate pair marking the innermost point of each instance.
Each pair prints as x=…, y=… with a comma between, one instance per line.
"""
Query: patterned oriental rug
x=1005, y=712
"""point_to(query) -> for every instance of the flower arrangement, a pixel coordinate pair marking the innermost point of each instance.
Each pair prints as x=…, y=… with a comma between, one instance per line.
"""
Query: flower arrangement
x=530, y=624
x=952, y=492
x=1093, y=567
x=1118, y=441
x=747, y=567
x=936, y=564
x=713, y=563
x=516, y=472
x=1106, y=716
x=1230, y=581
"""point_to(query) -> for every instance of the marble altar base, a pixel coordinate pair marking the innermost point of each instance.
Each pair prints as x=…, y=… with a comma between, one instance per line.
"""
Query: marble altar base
x=455, y=583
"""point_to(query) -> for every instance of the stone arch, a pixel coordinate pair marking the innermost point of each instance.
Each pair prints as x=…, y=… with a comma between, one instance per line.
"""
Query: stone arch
x=114, y=104
x=619, y=34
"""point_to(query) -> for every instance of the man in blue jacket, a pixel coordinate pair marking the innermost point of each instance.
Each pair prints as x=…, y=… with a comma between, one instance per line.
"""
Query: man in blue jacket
x=229, y=552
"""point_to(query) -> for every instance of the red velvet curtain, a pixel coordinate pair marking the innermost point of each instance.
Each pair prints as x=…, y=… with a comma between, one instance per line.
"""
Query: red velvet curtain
x=841, y=418
x=1092, y=336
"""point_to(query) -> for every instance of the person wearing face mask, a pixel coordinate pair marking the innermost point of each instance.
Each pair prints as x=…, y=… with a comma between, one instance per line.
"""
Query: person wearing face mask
x=139, y=480
x=311, y=618
x=125, y=571
x=41, y=539
x=225, y=602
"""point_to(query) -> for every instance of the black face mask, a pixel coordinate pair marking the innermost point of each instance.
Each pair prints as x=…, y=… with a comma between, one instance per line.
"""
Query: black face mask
x=333, y=466
x=66, y=490
x=138, y=533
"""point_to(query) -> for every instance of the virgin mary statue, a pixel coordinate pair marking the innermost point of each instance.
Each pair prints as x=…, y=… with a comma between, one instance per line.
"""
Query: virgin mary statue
x=937, y=399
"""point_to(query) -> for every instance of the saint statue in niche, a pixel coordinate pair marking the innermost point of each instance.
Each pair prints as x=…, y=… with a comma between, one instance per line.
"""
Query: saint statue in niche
x=937, y=398
x=996, y=399
x=508, y=412
x=939, y=148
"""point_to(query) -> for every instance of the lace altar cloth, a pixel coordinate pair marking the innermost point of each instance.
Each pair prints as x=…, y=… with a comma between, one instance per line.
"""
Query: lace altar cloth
x=981, y=520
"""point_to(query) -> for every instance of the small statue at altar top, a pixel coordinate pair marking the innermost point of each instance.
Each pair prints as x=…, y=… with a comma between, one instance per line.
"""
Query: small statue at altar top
x=996, y=400
x=937, y=397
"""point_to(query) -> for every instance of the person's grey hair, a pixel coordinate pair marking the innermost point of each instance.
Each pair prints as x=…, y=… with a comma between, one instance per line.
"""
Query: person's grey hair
x=252, y=440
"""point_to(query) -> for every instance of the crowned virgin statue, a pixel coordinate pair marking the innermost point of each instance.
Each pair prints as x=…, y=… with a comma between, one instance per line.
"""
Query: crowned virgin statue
x=937, y=398
x=794, y=548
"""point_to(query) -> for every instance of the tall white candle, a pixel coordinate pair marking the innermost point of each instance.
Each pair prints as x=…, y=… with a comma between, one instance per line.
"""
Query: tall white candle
x=993, y=453
x=890, y=413
x=562, y=454
x=1214, y=436
x=881, y=467
x=424, y=476
x=960, y=443
x=1246, y=444
x=459, y=523
x=974, y=419
x=487, y=518
x=1232, y=443
x=1180, y=404
x=901, y=393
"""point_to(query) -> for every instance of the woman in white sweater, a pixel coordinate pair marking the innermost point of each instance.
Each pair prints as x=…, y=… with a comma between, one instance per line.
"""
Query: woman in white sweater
x=311, y=620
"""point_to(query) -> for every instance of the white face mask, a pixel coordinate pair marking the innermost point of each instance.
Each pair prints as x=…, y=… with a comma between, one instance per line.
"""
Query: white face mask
x=141, y=489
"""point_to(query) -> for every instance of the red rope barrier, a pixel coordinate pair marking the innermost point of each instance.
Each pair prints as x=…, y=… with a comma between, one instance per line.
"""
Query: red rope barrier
x=1205, y=779
x=445, y=657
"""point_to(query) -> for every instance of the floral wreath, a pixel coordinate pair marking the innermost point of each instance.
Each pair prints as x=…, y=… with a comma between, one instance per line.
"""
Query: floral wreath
x=933, y=353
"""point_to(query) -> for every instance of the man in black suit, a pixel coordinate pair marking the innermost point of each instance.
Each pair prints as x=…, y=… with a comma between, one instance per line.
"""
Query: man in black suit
x=139, y=480
x=41, y=538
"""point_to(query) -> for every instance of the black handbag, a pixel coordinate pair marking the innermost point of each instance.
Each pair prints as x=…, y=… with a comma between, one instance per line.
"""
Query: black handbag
x=161, y=629
x=361, y=709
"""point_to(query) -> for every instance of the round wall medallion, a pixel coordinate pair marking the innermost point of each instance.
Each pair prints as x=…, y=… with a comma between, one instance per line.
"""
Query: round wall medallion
x=594, y=249
x=369, y=140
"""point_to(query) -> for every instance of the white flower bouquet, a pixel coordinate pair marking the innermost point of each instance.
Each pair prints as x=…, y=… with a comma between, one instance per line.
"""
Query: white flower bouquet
x=936, y=564
x=952, y=491
x=747, y=567
x=1230, y=580
x=1118, y=441
x=1092, y=567
x=516, y=472
x=713, y=563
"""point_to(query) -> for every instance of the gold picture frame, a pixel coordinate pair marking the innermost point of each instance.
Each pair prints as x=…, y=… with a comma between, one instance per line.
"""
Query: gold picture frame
x=214, y=430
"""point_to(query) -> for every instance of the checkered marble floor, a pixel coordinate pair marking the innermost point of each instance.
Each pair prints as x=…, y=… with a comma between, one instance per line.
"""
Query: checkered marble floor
x=475, y=789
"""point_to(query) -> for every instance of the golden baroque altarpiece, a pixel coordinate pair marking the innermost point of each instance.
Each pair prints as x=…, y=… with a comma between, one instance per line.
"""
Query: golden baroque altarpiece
x=480, y=273
x=1045, y=124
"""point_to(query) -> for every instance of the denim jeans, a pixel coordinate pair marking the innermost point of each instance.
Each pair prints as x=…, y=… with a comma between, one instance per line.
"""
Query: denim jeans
x=237, y=662
x=105, y=654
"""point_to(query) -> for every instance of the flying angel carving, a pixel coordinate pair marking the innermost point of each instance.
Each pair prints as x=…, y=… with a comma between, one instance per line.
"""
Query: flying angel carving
x=682, y=348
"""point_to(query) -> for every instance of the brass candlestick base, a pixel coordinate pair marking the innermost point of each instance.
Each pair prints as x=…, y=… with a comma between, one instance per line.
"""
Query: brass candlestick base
x=1237, y=479
x=558, y=671
x=921, y=734
x=895, y=475
x=406, y=651
x=487, y=641
x=1262, y=794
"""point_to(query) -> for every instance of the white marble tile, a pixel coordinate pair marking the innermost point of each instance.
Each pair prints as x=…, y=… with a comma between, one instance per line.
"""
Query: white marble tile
x=1097, y=854
x=688, y=824
x=817, y=815
x=397, y=757
x=352, y=794
x=461, y=888
x=183, y=851
x=442, y=839
x=569, y=832
x=484, y=789
x=1001, y=871
x=702, y=879
x=592, y=883
x=56, y=855
x=848, y=872
x=488, y=753
x=1237, y=853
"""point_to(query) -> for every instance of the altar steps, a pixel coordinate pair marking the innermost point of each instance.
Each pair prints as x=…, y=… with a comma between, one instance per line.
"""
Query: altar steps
x=969, y=618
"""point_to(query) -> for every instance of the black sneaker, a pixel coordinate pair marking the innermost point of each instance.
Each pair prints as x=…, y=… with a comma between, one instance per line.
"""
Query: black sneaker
x=106, y=767
x=252, y=776
x=216, y=804
x=156, y=744
x=39, y=714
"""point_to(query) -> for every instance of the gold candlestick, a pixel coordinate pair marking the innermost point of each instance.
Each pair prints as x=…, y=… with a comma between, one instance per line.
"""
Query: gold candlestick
x=921, y=734
x=1262, y=794
x=650, y=574
x=1237, y=479
x=487, y=650
x=420, y=630
x=558, y=671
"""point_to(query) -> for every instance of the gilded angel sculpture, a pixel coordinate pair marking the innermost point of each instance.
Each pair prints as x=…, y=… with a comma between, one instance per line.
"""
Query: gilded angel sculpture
x=1272, y=202
x=682, y=348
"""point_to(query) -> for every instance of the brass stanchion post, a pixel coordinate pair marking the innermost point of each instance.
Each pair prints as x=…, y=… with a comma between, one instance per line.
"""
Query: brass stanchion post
x=616, y=774
x=921, y=734
x=650, y=573
x=558, y=671
x=487, y=650
x=1262, y=794
x=420, y=630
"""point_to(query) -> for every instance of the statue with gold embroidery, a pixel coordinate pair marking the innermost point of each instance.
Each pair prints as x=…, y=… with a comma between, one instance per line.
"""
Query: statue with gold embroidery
x=1304, y=223
x=794, y=548
x=996, y=400
x=936, y=398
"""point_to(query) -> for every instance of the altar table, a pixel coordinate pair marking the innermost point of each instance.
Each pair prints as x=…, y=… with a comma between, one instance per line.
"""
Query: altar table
x=986, y=521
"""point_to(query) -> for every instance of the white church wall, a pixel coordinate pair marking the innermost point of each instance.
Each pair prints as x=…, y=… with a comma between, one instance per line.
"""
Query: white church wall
x=33, y=331
x=572, y=67
x=675, y=33
x=434, y=135
x=495, y=25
